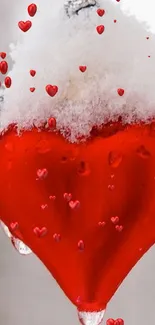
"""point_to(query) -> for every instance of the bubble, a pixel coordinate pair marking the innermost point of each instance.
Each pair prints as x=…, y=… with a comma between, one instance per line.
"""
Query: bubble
x=114, y=159
x=83, y=169
x=20, y=246
x=81, y=245
x=143, y=152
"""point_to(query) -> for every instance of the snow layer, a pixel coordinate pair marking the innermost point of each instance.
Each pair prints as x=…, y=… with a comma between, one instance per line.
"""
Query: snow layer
x=56, y=45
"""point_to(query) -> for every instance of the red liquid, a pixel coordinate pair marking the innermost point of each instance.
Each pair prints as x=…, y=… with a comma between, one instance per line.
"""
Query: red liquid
x=111, y=175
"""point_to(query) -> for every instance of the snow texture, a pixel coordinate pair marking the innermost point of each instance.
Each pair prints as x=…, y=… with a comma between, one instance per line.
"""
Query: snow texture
x=56, y=45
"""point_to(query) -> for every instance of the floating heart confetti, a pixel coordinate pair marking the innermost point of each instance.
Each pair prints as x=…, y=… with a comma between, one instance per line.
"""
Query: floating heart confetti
x=82, y=68
x=14, y=226
x=120, y=91
x=40, y=232
x=52, y=123
x=57, y=237
x=74, y=204
x=32, y=89
x=7, y=82
x=101, y=223
x=115, y=220
x=81, y=245
x=3, y=55
x=3, y=67
x=100, y=29
x=52, y=197
x=32, y=73
x=100, y=12
x=115, y=21
x=67, y=196
x=25, y=26
x=51, y=90
x=119, y=228
x=32, y=9
x=42, y=173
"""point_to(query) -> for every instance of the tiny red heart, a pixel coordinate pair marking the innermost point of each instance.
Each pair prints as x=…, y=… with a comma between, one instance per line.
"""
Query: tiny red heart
x=52, y=197
x=101, y=223
x=40, y=232
x=32, y=73
x=120, y=91
x=67, y=196
x=147, y=37
x=32, y=9
x=14, y=226
x=3, y=55
x=74, y=204
x=82, y=68
x=115, y=21
x=44, y=206
x=119, y=228
x=7, y=82
x=25, y=25
x=32, y=89
x=3, y=67
x=100, y=12
x=81, y=245
x=110, y=321
x=115, y=220
x=100, y=29
x=52, y=123
x=57, y=237
x=42, y=173
x=51, y=90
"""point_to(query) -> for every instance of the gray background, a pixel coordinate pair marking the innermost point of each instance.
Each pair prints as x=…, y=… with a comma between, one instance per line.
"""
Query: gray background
x=28, y=293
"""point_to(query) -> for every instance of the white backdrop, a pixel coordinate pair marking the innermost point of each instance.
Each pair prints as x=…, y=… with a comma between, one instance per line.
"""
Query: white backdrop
x=28, y=294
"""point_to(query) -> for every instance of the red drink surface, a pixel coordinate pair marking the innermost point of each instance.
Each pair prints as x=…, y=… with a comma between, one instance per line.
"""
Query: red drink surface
x=87, y=249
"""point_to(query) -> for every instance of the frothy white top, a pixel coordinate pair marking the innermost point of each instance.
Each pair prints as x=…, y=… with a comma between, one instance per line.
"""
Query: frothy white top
x=56, y=46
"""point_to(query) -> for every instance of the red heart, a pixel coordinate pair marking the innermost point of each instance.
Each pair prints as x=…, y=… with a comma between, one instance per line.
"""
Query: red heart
x=3, y=55
x=52, y=123
x=67, y=196
x=25, y=26
x=82, y=68
x=100, y=29
x=115, y=220
x=40, y=232
x=51, y=90
x=30, y=174
x=14, y=226
x=118, y=321
x=32, y=89
x=120, y=91
x=3, y=67
x=32, y=9
x=74, y=204
x=32, y=73
x=8, y=82
x=100, y=12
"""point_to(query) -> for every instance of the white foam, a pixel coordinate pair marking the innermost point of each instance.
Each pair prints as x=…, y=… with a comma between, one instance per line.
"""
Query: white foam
x=56, y=46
